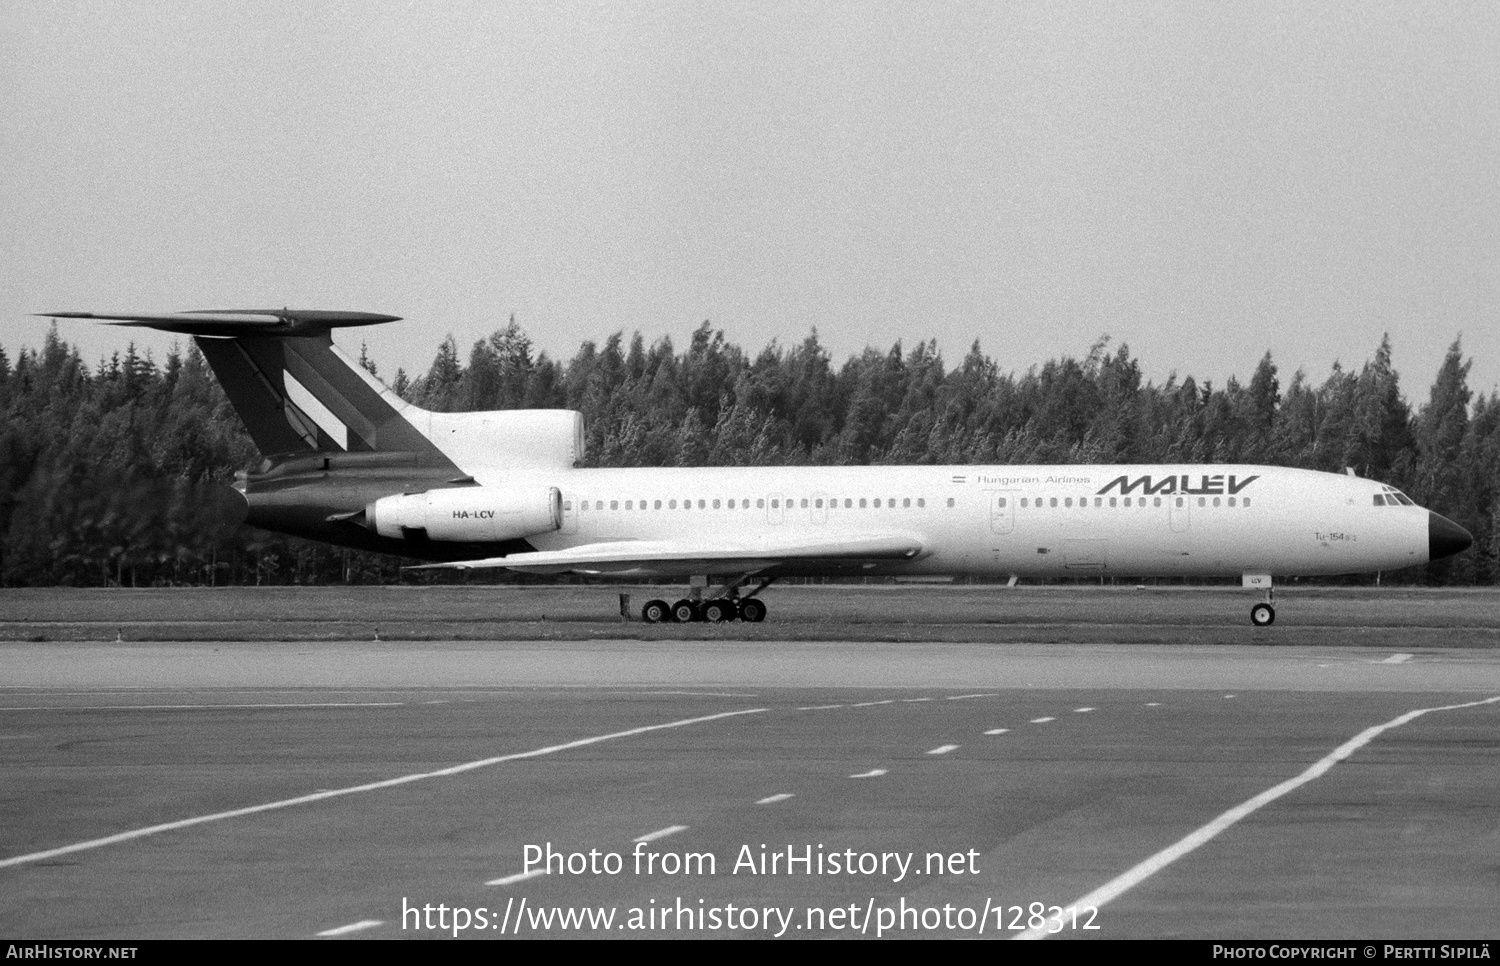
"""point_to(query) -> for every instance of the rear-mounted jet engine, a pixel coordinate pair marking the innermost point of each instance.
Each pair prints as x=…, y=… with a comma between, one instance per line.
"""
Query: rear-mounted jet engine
x=471, y=514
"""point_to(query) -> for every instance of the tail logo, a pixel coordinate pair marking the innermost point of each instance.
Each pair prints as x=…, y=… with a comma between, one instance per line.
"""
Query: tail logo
x=305, y=407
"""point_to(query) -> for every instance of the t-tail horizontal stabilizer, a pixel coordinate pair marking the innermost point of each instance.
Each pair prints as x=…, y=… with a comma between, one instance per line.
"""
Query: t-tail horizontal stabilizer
x=287, y=323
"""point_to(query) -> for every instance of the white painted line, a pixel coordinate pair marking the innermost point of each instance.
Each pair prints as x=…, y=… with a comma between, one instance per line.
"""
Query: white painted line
x=1228, y=696
x=943, y=749
x=356, y=789
x=965, y=697
x=914, y=700
x=660, y=833
x=1042, y=720
x=1153, y=704
x=352, y=927
x=872, y=773
x=1398, y=659
x=773, y=799
x=997, y=731
x=1082, y=710
x=518, y=877
x=820, y=707
x=1120, y=884
x=871, y=704
x=203, y=707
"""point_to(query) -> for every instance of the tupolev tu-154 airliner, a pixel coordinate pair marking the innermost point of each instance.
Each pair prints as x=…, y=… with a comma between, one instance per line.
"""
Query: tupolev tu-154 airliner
x=349, y=462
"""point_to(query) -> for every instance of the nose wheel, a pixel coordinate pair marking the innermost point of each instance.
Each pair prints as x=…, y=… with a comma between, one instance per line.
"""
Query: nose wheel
x=1262, y=615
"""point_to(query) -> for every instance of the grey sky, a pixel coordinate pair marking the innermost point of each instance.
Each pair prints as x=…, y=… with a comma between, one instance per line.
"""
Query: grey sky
x=1202, y=181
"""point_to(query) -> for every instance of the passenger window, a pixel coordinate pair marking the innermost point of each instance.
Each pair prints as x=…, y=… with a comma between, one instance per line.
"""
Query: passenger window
x=1216, y=501
x=1000, y=503
x=1099, y=501
x=672, y=505
x=921, y=501
x=731, y=504
x=804, y=503
x=1025, y=502
x=1202, y=501
x=1179, y=501
x=1247, y=501
x=658, y=505
x=776, y=504
x=1231, y=501
x=906, y=503
x=1156, y=501
x=629, y=505
x=848, y=503
x=716, y=504
x=862, y=503
x=819, y=504
x=1127, y=501
x=1067, y=501
x=761, y=504
x=950, y=501
x=1052, y=501
x=1112, y=501
x=567, y=504
x=702, y=504
x=687, y=504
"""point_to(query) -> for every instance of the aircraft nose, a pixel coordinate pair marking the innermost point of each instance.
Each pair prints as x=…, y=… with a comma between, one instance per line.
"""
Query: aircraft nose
x=1444, y=537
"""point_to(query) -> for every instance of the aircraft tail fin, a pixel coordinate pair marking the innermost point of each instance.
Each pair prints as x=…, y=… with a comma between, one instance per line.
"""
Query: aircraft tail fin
x=296, y=392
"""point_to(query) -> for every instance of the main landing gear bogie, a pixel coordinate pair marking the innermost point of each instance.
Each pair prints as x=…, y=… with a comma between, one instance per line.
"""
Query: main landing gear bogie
x=728, y=605
x=716, y=611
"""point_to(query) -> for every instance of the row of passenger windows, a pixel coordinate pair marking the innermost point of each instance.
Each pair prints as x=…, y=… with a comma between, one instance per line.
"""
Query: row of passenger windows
x=777, y=503
x=1139, y=501
x=892, y=503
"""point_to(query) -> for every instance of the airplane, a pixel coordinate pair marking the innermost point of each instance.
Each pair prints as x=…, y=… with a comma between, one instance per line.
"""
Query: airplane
x=349, y=462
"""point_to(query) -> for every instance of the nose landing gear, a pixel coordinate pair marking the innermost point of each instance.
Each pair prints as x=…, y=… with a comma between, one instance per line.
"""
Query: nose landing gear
x=1263, y=614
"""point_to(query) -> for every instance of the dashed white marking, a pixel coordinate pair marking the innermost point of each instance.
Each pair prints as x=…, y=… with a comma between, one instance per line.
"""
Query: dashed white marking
x=965, y=697
x=518, y=877
x=872, y=773
x=356, y=789
x=914, y=700
x=660, y=833
x=1120, y=884
x=1153, y=704
x=203, y=707
x=871, y=704
x=1228, y=696
x=943, y=749
x=820, y=707
x=773, y=799
x=1042, y=720
x=352, y=927
x=997, y=731
x=1398, y=659
x=1082, y=710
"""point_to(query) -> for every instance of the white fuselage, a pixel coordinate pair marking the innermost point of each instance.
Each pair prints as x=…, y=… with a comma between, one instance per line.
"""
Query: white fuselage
x=1167, y=520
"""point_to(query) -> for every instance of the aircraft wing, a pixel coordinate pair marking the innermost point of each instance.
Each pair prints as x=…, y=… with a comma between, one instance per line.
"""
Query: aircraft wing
x=677, y=558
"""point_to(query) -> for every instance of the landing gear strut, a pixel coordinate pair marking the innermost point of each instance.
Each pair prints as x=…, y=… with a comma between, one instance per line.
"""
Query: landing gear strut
x=726, y=605
x=1263, y=614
